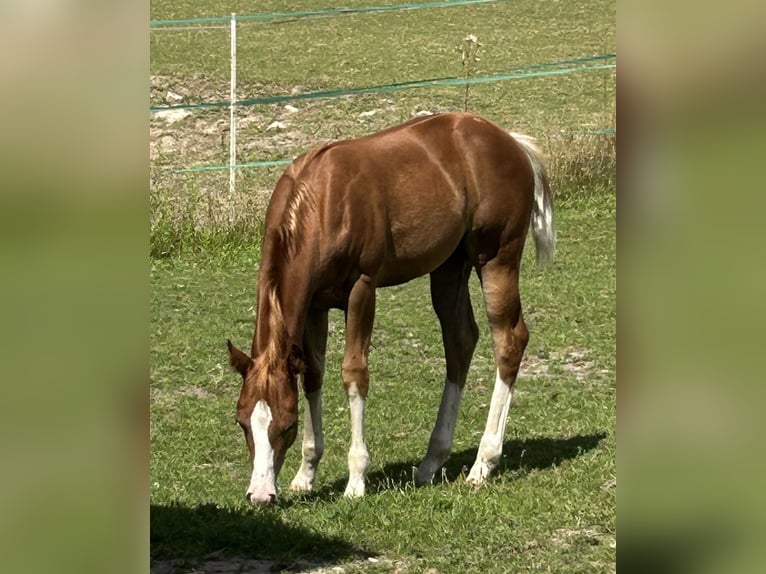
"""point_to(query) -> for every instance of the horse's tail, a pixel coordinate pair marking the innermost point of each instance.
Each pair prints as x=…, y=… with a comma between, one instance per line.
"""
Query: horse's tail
x=542, y=213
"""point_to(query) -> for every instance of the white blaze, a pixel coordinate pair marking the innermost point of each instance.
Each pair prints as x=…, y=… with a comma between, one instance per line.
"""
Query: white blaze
x=262, y=484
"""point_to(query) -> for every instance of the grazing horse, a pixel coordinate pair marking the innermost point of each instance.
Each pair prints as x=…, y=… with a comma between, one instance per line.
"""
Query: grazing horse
x=439, y=194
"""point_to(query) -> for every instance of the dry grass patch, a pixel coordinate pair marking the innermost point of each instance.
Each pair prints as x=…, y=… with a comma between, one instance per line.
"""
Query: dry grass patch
x=581, y=165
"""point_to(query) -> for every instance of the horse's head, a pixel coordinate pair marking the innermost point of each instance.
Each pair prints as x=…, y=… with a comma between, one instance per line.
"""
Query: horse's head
x=267, y=411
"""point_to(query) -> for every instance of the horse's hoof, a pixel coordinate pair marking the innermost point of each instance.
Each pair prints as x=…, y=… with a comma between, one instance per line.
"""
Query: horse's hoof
x=354, y=489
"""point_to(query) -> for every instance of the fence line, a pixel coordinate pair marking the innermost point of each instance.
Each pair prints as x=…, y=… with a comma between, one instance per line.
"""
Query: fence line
x=527, y=71
x=441, y=82
x=190, y=28
x=232, y=166
x=196, y=168
x=316, y=13
x=282, y=16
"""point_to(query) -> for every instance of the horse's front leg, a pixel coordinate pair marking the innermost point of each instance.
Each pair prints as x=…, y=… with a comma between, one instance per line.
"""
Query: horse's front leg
x=313, y=443
x=314, y=347
x=360, y=314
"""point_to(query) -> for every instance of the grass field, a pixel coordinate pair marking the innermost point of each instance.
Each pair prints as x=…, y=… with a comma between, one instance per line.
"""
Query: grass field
x=550, y=507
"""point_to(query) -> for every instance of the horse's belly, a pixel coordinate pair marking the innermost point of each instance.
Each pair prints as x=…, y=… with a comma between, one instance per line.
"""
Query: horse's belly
x=418, y=249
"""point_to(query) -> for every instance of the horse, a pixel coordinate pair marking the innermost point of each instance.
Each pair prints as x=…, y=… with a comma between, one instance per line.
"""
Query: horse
x=440, y=195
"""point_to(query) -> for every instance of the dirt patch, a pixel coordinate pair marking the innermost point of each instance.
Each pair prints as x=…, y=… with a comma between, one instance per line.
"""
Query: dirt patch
x=170, y=90
x=186, y=137
x=164, y=398
x=572, y=361
x=566, y=538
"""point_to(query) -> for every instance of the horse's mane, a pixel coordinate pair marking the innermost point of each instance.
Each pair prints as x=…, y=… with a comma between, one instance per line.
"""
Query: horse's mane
x=302, y=201
x=277, y=337
x=282, y=243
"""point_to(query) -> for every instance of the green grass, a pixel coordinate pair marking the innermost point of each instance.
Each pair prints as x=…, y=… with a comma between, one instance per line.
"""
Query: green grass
x=546, y=508
x=551, y=504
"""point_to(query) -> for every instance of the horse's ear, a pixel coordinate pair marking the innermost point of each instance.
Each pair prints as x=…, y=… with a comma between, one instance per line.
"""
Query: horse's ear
x=295, y=361
x=238, y=359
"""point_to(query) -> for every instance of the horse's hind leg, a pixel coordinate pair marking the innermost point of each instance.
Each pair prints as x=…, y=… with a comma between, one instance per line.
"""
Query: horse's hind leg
x=452, y=303
x=314, y=347
x=500, y=283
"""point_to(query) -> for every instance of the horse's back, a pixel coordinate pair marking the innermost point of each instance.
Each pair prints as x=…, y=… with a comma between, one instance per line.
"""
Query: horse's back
x=432, y=167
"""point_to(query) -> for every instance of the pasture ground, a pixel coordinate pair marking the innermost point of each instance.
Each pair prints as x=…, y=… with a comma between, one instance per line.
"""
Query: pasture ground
x=550, y=507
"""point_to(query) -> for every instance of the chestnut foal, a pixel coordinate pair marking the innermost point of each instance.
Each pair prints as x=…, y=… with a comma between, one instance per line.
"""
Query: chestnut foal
x=440, y=194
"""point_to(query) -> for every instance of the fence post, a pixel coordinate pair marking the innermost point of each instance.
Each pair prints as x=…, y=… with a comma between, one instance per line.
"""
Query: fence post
x=232, y=100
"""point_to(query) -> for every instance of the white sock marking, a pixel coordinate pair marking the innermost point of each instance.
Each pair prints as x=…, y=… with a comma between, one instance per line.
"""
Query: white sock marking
x=262, y=483
x=313, y=443
x=358, y=457
x=441, y=438
x=491, y=445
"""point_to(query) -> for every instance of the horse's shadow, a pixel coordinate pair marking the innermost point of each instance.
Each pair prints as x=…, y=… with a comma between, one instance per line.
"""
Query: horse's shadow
x=530, y=454
x=206, y=531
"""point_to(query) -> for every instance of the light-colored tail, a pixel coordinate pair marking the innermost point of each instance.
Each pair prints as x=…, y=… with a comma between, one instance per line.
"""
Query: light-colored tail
x=542, y=213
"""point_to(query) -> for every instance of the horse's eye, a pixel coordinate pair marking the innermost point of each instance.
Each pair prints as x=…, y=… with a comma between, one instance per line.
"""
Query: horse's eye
x=290, y=429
